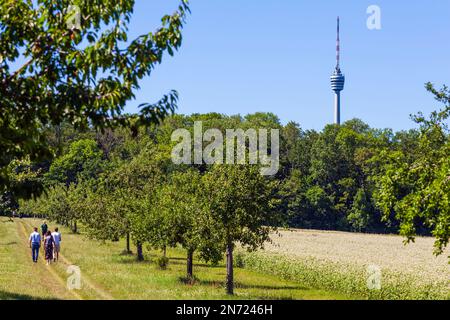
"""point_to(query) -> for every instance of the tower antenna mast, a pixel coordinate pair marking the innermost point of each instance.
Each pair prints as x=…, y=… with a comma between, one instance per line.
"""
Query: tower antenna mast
x=338, y=47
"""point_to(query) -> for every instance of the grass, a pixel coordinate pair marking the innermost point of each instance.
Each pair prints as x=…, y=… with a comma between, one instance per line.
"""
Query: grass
x=19, y=277
x=108, y=274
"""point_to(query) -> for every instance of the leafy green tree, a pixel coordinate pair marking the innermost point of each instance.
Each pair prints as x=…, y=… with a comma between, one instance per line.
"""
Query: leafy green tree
x=360, y=215
x=320, y=206
x=54, y=205
x=82, y=161
x=240, y=203
x=417, y=189
x=266, y=120
x=25, y=181
x=60, y=63
x=178, y=217
x=7, y=204
x=33, y=207
x=295, y=150
x=99, y=211
x=135, y=185
x=292, y=199
x=116, y=205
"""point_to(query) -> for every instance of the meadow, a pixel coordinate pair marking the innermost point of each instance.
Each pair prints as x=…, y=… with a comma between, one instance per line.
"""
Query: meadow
x=109, y=274
x=298, y=264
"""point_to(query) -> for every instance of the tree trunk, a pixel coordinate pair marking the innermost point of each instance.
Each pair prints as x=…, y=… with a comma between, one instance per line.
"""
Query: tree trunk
x=140, y=255
x=74, y=227
x=190, y=264
x=230, y=283
x=165, y=251
x=128, y=243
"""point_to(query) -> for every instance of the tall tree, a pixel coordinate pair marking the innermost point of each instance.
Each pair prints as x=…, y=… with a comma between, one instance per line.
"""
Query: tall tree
x=133, y=186
x=178, y=216
x=72, y=61
x=240, y=203
x=82, y=161
x=417, y=189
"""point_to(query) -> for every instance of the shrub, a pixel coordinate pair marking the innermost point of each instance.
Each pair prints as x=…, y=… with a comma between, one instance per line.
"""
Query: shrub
x=162, y=262
x=239, y=260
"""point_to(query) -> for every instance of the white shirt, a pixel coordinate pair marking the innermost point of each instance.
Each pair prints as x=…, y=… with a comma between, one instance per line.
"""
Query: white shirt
x=57, y=237
x=35, y=238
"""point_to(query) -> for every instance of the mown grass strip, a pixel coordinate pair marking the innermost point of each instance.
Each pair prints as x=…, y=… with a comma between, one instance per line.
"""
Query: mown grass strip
x=94, y=289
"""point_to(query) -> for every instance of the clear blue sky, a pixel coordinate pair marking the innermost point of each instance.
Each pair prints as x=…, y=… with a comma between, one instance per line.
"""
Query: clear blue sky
x=244, y=56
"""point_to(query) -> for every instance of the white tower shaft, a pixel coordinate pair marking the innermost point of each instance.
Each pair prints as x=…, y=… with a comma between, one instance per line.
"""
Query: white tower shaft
x=337, y=108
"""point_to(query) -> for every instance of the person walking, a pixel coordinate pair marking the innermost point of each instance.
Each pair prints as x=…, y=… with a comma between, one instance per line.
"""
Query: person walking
x=57, y=246
x=44, y=229
x=48, y=245
x=35, y=244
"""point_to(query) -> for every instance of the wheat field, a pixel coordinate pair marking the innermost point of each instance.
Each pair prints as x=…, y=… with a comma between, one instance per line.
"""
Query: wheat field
x=340, y=261
x=386, y=251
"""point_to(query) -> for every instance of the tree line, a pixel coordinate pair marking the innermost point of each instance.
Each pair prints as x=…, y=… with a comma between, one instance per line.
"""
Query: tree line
x=118, y=184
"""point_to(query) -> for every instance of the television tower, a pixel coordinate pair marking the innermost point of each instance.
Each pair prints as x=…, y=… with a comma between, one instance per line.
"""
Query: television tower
x=337, y=81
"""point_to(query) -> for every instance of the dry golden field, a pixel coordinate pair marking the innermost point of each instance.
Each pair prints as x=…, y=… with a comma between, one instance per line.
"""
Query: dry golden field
x=386, y=251
x=340, y=261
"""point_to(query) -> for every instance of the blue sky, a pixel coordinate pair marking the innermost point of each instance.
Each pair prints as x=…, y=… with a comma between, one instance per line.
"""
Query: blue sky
x=244, y=56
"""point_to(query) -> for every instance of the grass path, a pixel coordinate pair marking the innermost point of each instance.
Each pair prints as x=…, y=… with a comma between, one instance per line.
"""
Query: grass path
x=108, y=274
x=86, y=282
x=20, y=278
x=51, y=275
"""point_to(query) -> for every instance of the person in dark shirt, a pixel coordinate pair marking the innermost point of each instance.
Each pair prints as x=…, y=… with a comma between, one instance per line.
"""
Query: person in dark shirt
x=44, y=229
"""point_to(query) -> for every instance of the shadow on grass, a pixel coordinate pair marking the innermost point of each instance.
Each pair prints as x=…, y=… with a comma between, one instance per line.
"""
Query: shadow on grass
x=189, y=281
x=182, y=261
x=275, y=298
x=131, y=260
x=220, y=285
x=124, y=258
x=177, y=259
x=266, y=287
x=126, y=253
x=151, y=259
x=239, y=285
x=4, y=295
x=9, y=243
